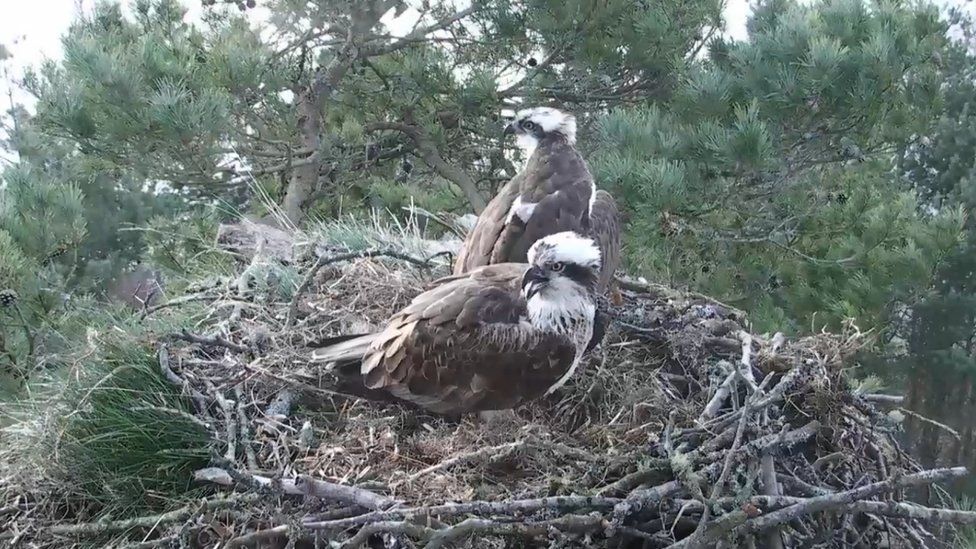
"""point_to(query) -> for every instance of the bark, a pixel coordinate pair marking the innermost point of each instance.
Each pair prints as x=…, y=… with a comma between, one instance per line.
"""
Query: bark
x=311, y=101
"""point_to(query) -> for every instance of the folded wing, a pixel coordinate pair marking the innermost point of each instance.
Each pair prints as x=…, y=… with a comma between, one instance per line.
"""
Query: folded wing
x=465, y=346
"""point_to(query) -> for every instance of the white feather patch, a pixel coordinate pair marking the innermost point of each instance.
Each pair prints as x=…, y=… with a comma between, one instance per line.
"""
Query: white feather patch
x=521, y=209
x=592, y=196
x=565, y=247
x=550, y=120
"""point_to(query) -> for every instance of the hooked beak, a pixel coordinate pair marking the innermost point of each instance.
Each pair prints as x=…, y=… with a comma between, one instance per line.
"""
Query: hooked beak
x=533, y=282
x=509, y=128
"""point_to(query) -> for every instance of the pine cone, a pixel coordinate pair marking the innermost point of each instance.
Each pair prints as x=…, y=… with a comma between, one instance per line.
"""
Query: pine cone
x=59, y=251
x=7, y=298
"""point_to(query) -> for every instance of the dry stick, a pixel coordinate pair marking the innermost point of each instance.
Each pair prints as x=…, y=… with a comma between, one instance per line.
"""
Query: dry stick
x=821, y=503
x=738, y=523
x=718, y=399
x=391, y=527
x=216, y=341
x=905, y=510
x=569, y=523
x=775, y=394
x=726, y=466
x=301, y=486
x=774, y=538
x=230, y=422
x=178, y=301
x=176, y=515
x=745, y=364
x=635, y=479
x=322, y=261
x=924, y=419
x=888, y=399
x=639, y=499
x=511, y=508
x=196, y=396
x=493, y=451
x=245, y=430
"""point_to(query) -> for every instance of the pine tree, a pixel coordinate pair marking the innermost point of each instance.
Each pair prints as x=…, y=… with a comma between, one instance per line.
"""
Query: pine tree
x=337, y=111
x=938, y=363
x=766, y=178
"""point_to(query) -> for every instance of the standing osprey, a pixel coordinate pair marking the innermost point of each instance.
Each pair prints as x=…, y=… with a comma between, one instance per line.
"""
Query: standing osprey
x=490, y=339
x=554, y=192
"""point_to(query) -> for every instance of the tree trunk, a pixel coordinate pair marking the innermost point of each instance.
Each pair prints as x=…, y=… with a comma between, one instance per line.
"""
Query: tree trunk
x=303, y=178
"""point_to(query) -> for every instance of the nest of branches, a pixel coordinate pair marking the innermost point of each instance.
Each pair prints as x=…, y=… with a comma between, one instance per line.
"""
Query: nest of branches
x=682, y=430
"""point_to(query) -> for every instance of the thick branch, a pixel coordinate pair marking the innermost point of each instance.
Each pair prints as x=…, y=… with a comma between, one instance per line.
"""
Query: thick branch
x=821, y=503
x=303, y=486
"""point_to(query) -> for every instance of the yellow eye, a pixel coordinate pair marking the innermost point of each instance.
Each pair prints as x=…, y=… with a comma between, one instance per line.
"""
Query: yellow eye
x=557, y=266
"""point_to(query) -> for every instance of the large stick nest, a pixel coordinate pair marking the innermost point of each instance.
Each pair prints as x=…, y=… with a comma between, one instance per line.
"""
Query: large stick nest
x=682, y=430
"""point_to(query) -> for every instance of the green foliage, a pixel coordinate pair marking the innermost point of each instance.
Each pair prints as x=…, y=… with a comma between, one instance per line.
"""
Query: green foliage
x=130, y=443
x=767, y=177
x=937, y=366
x=183, y=246
x=109, y=428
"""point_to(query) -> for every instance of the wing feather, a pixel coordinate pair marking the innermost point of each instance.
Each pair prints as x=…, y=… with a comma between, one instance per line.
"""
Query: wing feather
x=605, y=229
x=485, y=356
x=558, y=182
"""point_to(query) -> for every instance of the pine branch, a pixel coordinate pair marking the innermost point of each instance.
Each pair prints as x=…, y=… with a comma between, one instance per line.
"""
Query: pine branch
x=420, y=35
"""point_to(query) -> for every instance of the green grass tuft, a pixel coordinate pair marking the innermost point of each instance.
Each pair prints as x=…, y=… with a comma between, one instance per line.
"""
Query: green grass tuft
x=130, y=443
x=111, y=431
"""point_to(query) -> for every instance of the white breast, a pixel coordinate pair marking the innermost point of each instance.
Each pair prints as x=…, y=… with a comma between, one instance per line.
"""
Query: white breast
x=568, y=313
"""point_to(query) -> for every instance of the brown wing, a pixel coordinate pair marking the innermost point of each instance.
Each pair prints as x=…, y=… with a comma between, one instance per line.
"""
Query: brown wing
x=555, y=179
x=464, y=346
x=479, y=243
x=605, y=229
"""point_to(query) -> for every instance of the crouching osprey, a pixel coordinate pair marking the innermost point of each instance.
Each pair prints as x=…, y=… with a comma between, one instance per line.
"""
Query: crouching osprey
x=553, y=192
x=491, y=339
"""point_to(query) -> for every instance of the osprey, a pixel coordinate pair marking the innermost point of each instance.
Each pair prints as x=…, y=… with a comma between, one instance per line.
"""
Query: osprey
x=554, y=192
x=490, y=339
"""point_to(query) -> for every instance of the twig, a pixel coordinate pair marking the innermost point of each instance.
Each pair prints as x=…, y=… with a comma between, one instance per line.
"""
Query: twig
x=635, y=479
x=322, y=261
x=245, y=429
x=774, y=538
x=302, y=486
x=718, y=399
x=512, y=508
x=199, y=401
x=924, y=419
x=392, y=527
x=176, y=302
x=493, y=451
x=887, y=399
x=841, y=499
x=216, y=341
x=152, y=521
x=468, y=527
x=230, y=422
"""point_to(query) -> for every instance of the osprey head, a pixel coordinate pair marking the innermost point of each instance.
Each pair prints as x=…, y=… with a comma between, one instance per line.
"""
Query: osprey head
x=532, y=125
x=561, y=263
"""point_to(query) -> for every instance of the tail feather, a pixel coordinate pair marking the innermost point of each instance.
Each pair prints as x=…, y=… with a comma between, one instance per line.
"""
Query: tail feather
x=343, y=349
x=345, y=355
